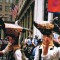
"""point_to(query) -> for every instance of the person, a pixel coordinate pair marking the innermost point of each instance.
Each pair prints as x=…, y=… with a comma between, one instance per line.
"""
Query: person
x=50, y=55
x=34, y=50
x=3, y=45
x=13, y=48
x=57, y=42
x=28, y=47
x=35, y=41
x=46, y=30
x=55, y=35
x=40, y=47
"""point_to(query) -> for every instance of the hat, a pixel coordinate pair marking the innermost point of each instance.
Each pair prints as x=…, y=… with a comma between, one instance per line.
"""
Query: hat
x=47, y=28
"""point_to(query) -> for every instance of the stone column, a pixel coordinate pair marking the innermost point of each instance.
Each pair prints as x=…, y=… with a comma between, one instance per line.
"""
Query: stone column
x=38, y=15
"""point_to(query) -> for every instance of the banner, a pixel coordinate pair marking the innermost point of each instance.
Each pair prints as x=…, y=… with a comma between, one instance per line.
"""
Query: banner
x=53, y=5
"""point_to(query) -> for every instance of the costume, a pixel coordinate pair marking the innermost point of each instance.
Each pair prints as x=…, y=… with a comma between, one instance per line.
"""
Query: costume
x=37, y=53
x=17, y=55
x=46, y=29
x=52, y=55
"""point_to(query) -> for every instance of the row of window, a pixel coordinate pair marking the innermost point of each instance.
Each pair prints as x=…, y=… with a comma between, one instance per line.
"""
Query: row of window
x=7, y=18
x=7, y=8
x=7, y=1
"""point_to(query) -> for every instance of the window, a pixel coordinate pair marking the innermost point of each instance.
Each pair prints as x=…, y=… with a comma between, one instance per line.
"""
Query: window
x=0, y=7
x=6, y=18
x=11, y=1
x=7, y=8
x=7, y=1
x=1, y=1
x=10, y=18
x=10, y=8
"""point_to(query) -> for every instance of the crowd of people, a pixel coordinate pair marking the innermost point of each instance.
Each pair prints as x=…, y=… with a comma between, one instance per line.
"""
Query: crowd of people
x=45, y=48
x=34, y=47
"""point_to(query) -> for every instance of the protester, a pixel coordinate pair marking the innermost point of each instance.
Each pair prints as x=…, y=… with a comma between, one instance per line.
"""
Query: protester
x=46, y=30
x=55, y=35
x=47, y=52
x=35, y=41
x=50, y=55
x=12, y=49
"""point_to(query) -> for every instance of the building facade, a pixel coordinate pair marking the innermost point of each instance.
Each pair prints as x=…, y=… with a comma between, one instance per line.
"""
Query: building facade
x=5, y=9
x=33, y=10
x=26, y=15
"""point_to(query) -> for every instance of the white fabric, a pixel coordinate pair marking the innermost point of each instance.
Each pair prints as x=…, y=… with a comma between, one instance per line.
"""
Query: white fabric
x=33, y=40
x=53, y=54
x=36, y=57
x=18, y=55
x=25, y=40
x=42, y=56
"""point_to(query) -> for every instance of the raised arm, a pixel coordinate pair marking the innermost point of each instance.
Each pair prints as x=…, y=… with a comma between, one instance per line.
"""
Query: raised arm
x=45, y=51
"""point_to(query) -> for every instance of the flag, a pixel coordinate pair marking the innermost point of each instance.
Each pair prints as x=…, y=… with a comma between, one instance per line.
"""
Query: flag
x=14, y=10
x=53, y=5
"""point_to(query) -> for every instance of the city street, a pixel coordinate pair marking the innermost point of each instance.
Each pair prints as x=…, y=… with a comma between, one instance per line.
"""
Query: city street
x=29, y=29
